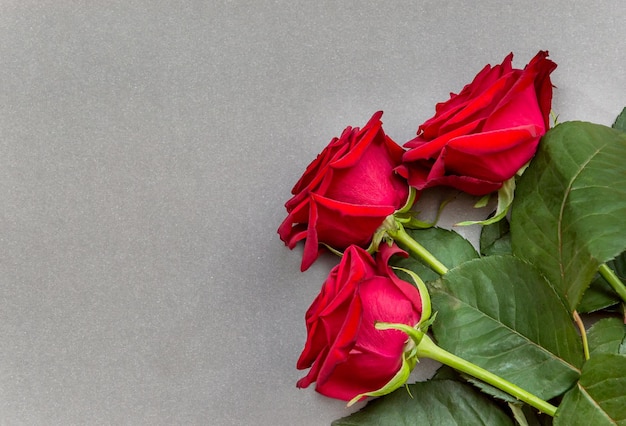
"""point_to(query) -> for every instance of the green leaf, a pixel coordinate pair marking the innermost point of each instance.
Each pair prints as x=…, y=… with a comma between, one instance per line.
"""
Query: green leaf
x=501, y=314
x=620, y=121
x=495, y=238
x=619, y=265
x=447, y=246
x=534, y=418
x=569, y=209
x=599, y=295
x=606, y=336
x=489, y=390
x=599, y=398
x=436, y=402
x=446, y=373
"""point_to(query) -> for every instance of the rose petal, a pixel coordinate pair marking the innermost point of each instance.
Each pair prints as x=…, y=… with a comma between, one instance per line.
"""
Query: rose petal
x=492, y=156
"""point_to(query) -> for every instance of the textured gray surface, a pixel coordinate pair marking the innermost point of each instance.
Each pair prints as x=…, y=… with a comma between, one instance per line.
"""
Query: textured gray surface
x=147, y=149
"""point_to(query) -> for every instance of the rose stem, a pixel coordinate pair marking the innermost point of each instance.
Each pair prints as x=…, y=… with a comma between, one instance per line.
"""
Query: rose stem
x=401, y=236
x=610, y=276
x=427, y=349
x=583, y=333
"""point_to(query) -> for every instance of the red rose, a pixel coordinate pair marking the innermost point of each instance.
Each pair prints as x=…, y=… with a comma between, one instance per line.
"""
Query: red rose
x=346, y=192
x=481, y=137
x=348, y=354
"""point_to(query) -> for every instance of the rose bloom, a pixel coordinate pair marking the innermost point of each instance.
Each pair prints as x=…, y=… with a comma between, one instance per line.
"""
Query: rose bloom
x=346, y=192
x=481, y=137
x=348, y=354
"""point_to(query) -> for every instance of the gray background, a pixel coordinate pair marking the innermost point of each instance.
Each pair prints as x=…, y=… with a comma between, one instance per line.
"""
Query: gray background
x=146, y=151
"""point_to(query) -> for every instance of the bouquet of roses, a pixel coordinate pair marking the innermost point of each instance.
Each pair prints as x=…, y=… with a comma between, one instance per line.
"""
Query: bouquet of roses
x=509, y=321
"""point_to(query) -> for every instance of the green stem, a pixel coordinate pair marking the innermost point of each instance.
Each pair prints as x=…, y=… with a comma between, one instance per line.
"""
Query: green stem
x=427, y=349
x=613, y=280
x=400, y=236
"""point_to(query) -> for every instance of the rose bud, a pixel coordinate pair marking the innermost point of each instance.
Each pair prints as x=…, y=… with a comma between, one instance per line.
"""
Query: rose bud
x=481, y=137
x=346, y=193
x=348, y=354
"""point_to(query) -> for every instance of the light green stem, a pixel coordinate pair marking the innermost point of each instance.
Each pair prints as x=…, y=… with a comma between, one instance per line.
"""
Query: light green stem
x=401, y=237
x=583, y=334
x=613, y=280
x=427, y=349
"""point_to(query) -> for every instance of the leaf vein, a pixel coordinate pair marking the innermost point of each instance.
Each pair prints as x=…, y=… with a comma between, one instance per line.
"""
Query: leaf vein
x=566, y=194
x=594, y=403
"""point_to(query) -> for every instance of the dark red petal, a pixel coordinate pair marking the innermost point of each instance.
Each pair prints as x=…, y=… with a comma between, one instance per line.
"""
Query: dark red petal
x=311, y=244
x=346, y=337
x=362, y=372
x=341, y=224
x=420, y=149
x=466, y=184
x=492, y=156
